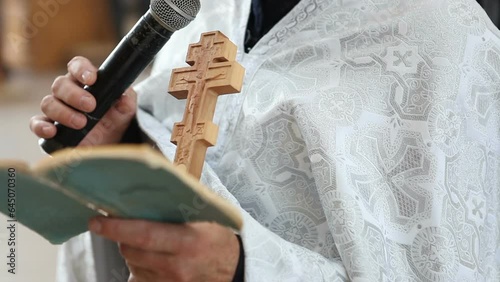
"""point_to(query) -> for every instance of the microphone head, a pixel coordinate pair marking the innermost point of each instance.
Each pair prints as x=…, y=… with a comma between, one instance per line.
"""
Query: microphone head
x=175, y=14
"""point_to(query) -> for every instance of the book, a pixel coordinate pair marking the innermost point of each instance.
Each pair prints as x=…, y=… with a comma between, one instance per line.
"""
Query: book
x=57, y=197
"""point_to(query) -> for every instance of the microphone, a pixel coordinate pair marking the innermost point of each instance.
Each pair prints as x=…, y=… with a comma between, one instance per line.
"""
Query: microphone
x=122, y=67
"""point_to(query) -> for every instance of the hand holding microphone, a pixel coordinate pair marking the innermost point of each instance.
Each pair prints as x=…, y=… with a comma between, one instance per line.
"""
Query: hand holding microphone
x=132, y=55
x=69, y=101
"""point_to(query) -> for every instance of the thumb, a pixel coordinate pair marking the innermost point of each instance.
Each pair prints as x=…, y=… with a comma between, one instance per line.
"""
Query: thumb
x=115, y=122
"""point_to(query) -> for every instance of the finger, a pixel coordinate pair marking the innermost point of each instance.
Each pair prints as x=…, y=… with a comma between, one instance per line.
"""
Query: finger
x=131, y=96
x=82, y=70
x=132, y=278
x=42, y=127
x=57, y=111
x=148, y=259
x=124, y=109
x=73, y=95
x=145, y=235
x=114, y=123
x=142, y=275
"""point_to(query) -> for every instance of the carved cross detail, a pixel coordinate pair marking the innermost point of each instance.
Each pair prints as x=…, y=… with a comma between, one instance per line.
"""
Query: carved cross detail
x=213, y=72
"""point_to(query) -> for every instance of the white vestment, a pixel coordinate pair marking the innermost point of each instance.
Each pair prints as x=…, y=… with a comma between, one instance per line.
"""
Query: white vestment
x=364, y=146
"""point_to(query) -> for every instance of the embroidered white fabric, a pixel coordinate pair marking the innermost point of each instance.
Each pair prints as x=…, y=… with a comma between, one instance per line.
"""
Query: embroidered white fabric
x=365, y=143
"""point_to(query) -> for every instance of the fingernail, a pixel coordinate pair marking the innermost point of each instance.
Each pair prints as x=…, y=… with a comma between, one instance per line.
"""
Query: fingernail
x=86, y=104
x=78, y=120
x=95, y=226
x=86, y=76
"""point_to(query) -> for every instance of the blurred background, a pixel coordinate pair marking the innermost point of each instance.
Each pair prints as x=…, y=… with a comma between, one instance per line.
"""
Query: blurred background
x=37, y=39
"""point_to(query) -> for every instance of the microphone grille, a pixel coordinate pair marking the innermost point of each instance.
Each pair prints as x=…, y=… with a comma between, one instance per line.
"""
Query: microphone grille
x=175, y=14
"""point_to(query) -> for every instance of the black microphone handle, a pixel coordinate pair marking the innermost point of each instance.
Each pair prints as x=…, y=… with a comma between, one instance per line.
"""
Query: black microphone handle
x=132, y=55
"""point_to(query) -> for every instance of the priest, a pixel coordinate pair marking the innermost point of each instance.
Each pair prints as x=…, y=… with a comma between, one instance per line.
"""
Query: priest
x=364, y=146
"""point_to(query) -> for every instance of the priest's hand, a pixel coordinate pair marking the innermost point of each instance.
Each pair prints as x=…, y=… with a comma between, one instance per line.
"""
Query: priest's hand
x=68, y=96
x=158, y=252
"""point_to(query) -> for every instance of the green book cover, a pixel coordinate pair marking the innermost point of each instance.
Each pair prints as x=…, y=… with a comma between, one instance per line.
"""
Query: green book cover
x=58, y=196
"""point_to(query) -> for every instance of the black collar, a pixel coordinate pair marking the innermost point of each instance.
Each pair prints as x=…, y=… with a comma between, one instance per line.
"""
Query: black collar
x=263, y=16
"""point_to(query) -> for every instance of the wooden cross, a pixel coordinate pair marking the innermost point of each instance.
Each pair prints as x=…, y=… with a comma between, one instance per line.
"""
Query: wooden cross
x=213, y=72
